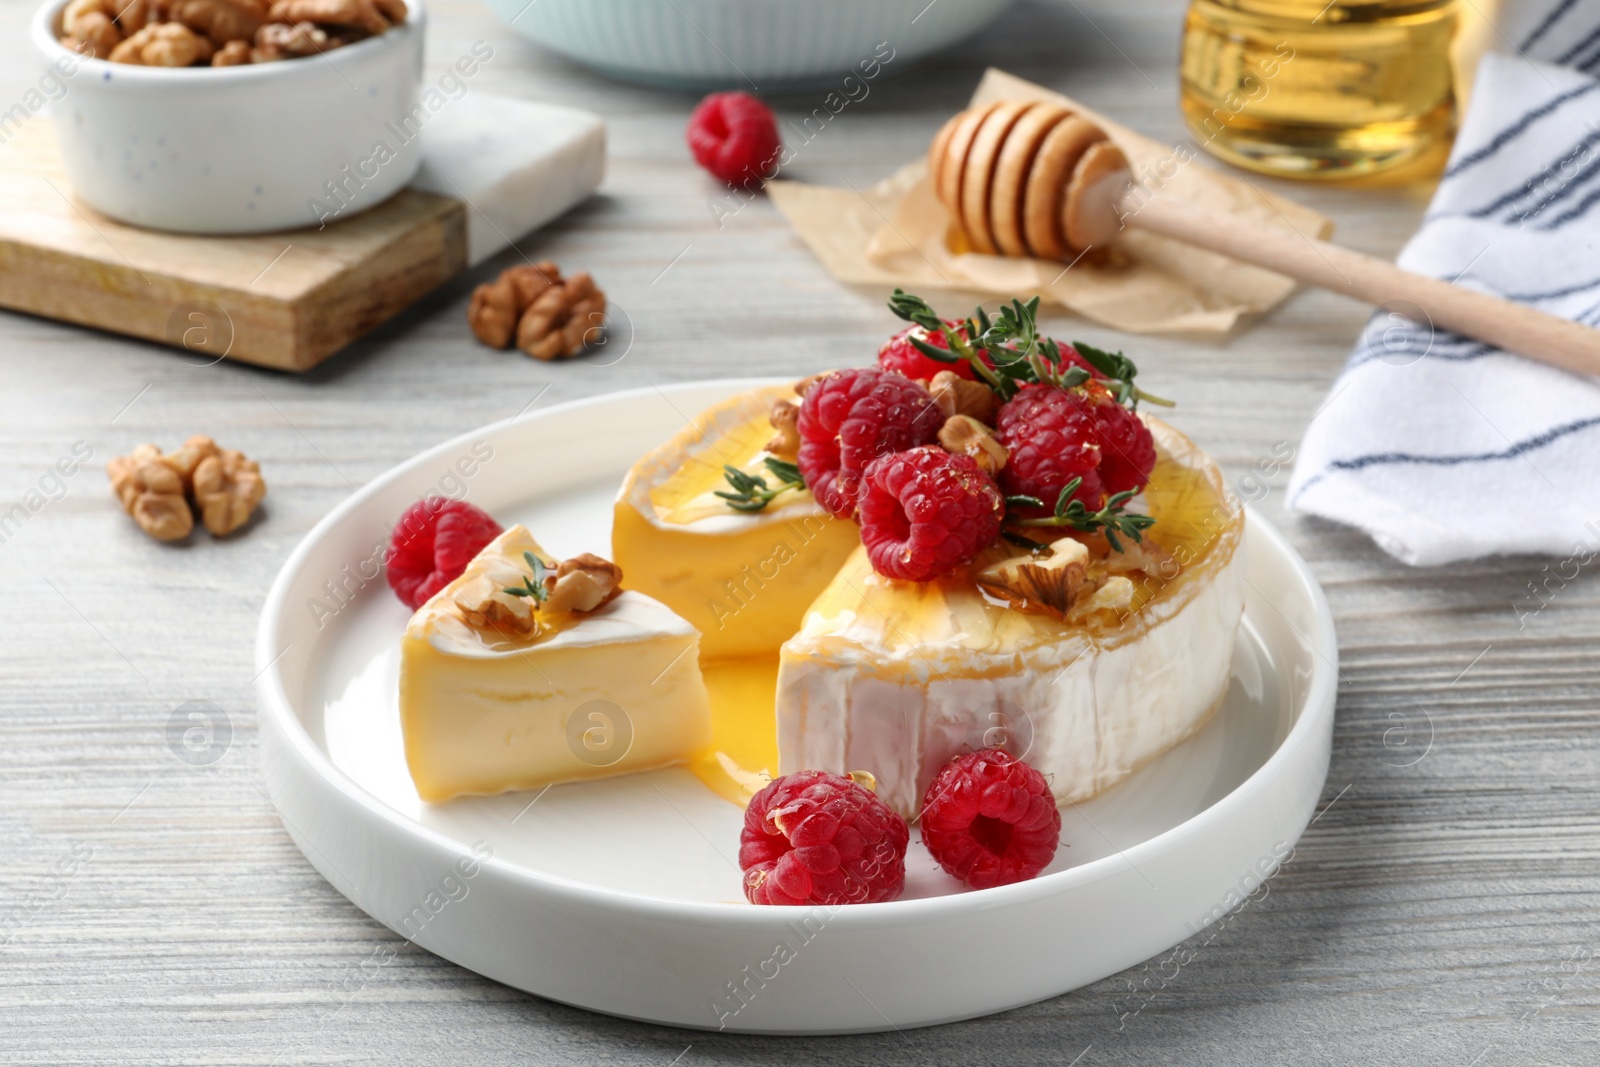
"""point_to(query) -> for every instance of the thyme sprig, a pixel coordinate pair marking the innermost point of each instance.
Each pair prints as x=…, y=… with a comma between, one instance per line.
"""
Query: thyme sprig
x=533, y=587
x=751, y=491
x=1007, y=351
x=1112, y=519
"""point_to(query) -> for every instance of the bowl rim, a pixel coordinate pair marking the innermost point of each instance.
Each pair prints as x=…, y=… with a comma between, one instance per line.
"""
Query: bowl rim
x=50, y=48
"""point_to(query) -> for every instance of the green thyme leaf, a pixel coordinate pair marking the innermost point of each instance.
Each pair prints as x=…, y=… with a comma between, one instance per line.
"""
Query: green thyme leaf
x=534, y=586
x=1006, y=351
x=1120, y=372
x=750, y=492
x=1112, y=519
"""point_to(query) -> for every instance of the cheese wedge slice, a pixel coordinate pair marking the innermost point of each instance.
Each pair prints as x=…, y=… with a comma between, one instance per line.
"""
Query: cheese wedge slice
x=897, y=678
x=744, y=579
x=587, y=696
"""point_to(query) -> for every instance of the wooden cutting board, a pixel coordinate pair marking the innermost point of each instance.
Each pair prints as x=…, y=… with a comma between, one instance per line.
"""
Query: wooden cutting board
x=285, y=300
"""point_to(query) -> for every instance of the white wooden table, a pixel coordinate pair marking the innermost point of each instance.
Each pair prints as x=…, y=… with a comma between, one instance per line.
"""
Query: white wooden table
x=1441, y=910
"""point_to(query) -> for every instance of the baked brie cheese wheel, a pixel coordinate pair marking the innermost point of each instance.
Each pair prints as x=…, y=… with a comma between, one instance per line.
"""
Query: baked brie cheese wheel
x=486, y=707
x=901, y=677
x=743, y=578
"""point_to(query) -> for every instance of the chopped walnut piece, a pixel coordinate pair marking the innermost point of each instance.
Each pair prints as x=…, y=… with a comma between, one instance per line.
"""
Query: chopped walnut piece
x=134, y=15
x=221, y=21
x=360, y=14
x=583, y=583
x=1040, y=586
x=151, y=492
x=529, y=280
x=956, y=395
x=804, y=384
x=221, y=33
x=1145, y=555
x=279, y=40
x=1115, y=594
x=227, y=488
x=965, y=435
x=785, y=418
x=163, y=44
x=485, y=604
x=492, y=314
x=232, y=54
x=188, y=457
x=91, y=28
x=559, y=322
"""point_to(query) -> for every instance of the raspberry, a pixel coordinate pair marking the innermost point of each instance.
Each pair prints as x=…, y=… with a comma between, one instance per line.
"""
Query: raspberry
x=1127, y=451
x=848, y=419
x=432, y=544
x=989, y=819
x=926, y=511
x=735, y=137
x=817, y=838
x=900, y=355
x=1051, y=438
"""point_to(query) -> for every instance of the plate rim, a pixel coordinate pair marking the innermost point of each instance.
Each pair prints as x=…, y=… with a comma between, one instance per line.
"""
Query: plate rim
x=274, y=704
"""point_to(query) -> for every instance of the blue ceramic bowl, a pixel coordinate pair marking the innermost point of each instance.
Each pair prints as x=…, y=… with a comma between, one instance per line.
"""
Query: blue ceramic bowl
x=758, y=44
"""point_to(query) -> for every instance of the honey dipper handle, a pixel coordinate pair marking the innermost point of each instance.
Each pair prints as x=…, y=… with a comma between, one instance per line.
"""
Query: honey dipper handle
x=1513, y=327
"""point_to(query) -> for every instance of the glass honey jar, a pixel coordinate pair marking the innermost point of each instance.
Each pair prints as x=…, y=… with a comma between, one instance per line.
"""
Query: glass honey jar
x=1318, y=89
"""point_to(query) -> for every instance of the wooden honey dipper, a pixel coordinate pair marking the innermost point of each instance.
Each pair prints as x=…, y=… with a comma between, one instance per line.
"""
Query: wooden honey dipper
x=1027, y=178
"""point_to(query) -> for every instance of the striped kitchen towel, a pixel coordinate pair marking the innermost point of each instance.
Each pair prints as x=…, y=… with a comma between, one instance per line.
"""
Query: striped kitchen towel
x=1442, y=448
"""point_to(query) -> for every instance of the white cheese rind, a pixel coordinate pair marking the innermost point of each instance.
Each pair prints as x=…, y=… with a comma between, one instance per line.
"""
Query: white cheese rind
x=1085, y=716
x=899, y=678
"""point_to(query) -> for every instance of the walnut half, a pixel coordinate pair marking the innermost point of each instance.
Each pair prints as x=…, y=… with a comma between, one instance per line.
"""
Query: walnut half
x=956, y=395
x=1047, y=586
x=563, y=320
x=785, y=418
x=152, y=492
x=164, y=44
x=227, y=488
x=965, y=435
x=485, y=605
x=583, y=583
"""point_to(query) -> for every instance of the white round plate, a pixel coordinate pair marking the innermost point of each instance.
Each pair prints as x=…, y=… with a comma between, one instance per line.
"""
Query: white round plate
x=624, y=896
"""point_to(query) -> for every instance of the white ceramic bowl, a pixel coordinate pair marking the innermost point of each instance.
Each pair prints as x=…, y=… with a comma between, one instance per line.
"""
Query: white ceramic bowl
x=745, y=43
x=239, y=149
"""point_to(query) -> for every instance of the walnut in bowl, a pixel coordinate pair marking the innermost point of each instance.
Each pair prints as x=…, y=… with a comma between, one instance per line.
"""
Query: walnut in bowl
x=220, y=33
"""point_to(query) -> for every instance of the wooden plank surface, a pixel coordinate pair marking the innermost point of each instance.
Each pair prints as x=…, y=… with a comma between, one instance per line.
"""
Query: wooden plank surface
x=1441, y=911
x=284, y=300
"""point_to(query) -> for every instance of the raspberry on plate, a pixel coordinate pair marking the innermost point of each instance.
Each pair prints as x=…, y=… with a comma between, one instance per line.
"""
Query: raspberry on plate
x=926, y=511
x=735, y=137
x=432, y=544
x=817, y=838
x=900, y=355
x=989, y=819
x=851, y=417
